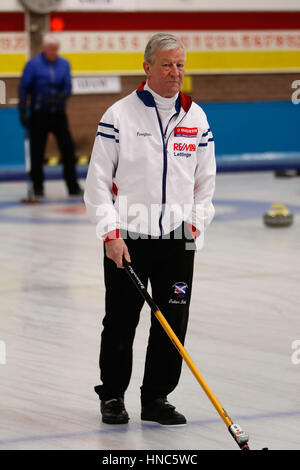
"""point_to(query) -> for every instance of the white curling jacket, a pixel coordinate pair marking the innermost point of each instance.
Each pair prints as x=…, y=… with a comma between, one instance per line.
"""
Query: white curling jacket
x=145, y=181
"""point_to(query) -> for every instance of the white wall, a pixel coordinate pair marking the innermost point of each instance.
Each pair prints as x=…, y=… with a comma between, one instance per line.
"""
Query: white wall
x=10, y=5
x=216, y=5
x=179, y=5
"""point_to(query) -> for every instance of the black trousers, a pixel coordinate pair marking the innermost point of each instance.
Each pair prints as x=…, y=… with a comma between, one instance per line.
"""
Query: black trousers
x=40, y=124
x=168, y=265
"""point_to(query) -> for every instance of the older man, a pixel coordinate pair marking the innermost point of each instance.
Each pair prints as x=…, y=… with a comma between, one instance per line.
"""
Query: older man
x=46, y=79
x=151, y=175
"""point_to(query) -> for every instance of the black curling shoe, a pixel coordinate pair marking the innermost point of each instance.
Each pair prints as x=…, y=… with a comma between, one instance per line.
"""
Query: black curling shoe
x=113, y=411
x=162, y=412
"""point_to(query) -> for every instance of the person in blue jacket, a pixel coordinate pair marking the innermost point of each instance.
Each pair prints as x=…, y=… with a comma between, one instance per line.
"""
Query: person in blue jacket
x=47, y=80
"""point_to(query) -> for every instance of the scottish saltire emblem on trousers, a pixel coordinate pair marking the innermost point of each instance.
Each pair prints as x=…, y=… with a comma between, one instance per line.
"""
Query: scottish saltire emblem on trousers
x=180, y=289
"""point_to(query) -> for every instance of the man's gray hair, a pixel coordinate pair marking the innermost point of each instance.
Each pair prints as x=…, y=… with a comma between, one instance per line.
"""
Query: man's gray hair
x=50, y=40
x=163, y=41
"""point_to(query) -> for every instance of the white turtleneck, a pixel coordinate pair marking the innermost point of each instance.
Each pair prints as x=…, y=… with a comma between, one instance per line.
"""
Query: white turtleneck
x=165, y=106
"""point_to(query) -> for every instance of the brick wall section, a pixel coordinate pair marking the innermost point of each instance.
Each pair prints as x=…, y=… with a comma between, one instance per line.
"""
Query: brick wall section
x=85, y=111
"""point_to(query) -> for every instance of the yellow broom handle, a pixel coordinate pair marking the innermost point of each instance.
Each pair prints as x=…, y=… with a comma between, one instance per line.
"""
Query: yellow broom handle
x=193, y=368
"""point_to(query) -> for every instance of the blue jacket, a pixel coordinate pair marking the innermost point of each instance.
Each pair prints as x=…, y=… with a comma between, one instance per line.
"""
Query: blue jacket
x=43, y=80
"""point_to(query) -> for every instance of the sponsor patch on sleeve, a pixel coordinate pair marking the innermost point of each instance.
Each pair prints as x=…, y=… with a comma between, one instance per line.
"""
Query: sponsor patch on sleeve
x=186, y=131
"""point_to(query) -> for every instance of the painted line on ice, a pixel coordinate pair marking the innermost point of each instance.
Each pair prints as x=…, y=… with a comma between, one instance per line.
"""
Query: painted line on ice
x=125, y=428
x=238, y=210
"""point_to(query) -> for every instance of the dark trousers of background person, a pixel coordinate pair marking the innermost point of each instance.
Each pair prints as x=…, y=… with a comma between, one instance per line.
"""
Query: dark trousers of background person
x=166, y=264
x=40, y=124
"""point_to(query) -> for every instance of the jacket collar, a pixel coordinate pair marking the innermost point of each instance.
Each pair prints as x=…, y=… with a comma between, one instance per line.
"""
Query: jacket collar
x=44, y=59
x=183, y=100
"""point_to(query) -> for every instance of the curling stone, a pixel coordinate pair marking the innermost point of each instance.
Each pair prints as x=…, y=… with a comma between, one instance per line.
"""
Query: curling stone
x=278, y=216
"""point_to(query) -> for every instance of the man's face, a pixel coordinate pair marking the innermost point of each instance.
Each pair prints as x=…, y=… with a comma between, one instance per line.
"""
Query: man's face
x=51, y=52
x=165, y=76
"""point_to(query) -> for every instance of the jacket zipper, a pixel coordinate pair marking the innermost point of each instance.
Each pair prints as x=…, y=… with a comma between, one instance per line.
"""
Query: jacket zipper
x=52, y=81
x=165, y=160
x=165, y=156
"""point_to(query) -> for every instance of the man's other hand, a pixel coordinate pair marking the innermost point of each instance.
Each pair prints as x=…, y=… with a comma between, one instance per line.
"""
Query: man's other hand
x=24, y=119
x=115, y=250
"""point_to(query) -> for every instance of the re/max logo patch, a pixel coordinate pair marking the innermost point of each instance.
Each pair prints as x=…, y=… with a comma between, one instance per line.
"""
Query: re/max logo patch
x=185, y=147
x=185, y=131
